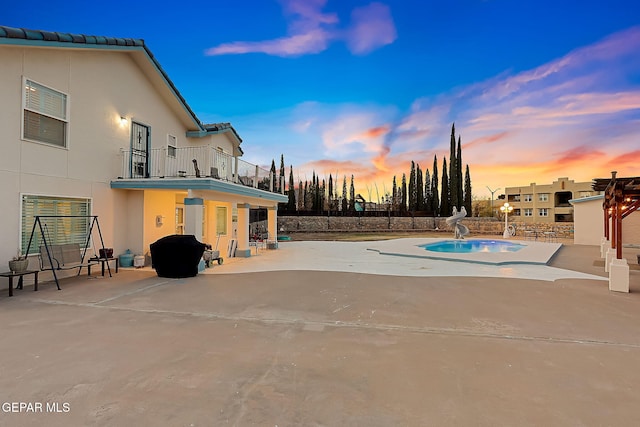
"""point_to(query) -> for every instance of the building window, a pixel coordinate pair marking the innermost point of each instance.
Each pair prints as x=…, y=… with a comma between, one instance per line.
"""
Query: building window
x=543, y=212
x=73, y=228
x=172, y=146
x=516, y=212
x=543, y=197
x=45, y=114
x=221, y=220
x=528, y=212
x=528, y=197
x=179, y=219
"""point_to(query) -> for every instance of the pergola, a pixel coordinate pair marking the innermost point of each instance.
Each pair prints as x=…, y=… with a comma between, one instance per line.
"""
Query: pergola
x=621, y=198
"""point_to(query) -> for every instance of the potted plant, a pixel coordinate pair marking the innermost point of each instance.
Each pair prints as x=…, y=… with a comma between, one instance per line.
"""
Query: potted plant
x=19, y=263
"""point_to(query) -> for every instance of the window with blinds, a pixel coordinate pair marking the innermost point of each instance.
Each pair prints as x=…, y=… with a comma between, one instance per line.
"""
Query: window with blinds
x=46, y=114
x=56, y=230
x=221, y=220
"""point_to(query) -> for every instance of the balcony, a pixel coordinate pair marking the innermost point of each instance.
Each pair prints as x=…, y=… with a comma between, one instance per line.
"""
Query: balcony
x=194, y=162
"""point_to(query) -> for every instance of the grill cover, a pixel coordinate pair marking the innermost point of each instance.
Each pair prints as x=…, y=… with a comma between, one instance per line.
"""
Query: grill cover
x=176, y=256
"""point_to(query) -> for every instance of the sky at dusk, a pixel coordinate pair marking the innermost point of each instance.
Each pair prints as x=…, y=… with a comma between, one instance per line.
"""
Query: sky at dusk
x=537, y=89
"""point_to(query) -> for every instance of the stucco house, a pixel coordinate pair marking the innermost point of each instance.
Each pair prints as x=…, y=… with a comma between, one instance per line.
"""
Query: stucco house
x=93, y=125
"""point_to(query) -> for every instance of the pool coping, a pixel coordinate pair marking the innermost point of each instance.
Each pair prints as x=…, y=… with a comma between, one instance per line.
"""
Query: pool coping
x=533, y=252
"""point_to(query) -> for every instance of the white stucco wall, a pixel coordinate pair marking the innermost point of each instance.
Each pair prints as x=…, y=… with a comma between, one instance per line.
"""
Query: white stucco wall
x=589, y=223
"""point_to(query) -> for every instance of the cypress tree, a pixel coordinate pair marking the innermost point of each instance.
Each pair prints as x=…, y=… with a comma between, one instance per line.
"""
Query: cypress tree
x=300, y=197
x=453, y=172
x=344, y=194
x=459, y=169
x=394, y=195
x=403, y=201
x=467, y=191
x=273, y=175
x=412, y=187
x=428, y=198
x=434, y=188
x=419, y=189
x=352, y=196
x=313, y=194
x=445, y=203
x=330, y=187
x=305, y=199
x=281, y=179
x=291, y=203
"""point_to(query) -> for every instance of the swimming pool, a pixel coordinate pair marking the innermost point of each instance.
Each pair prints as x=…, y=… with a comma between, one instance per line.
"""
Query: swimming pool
x=470, y=246
x=529, y=252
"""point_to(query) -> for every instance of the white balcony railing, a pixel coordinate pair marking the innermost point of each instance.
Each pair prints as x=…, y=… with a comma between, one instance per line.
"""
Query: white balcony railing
x=192, y=162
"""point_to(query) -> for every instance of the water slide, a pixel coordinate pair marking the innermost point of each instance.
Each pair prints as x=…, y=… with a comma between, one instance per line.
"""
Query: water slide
x=459, y=230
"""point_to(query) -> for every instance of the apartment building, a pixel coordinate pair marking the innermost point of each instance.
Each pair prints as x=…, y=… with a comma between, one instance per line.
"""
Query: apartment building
x=547, y=203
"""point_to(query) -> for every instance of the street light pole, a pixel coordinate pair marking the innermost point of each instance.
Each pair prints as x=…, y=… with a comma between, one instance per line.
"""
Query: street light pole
x=506, y=209
x=492, y=191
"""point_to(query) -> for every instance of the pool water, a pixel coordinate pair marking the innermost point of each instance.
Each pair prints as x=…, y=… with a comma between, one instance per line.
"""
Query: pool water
x=468, y=246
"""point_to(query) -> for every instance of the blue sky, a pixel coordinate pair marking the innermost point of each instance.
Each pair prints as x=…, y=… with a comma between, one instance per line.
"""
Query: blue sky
x=537, y=89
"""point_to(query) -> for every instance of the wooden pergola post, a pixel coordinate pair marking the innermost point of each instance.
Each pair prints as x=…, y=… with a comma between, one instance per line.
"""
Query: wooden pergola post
x=619, y=200
x=605, y=210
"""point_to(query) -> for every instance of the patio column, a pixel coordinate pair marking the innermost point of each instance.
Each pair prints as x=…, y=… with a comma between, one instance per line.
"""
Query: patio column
x=193, y=216
x=243, y=231
x=272, y=222
x=604, y=242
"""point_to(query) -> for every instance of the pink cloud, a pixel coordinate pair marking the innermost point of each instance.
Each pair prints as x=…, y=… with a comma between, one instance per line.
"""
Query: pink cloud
x=313, y=41
x=629, y=160
x=371, y=28
x=486, y=139
x=615, y=46
x=578, y=155
x=376, y=132
x=310, y=31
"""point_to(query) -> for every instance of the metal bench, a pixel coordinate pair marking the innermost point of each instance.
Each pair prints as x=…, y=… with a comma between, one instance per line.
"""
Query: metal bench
x=64, y=257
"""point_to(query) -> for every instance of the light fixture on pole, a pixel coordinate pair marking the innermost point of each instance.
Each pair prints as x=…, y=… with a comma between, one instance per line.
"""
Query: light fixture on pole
x=507, y=210
x=492, y=191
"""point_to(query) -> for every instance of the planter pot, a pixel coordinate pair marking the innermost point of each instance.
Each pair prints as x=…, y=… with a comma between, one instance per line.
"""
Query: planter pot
x=19, y=265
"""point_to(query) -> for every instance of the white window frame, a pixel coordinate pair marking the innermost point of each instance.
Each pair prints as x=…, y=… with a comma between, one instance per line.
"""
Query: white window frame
x=179, y=219
x=58, y=231
x=528, y=212
x=172, y=146
x=29, y=84
x=543, y=197
x=543, y=212
x=528, y=197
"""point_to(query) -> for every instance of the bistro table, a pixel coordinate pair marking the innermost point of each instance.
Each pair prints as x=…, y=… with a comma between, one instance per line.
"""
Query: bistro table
x=20, y=275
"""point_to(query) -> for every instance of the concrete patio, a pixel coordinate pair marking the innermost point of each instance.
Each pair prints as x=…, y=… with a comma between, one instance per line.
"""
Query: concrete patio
x=326, y=348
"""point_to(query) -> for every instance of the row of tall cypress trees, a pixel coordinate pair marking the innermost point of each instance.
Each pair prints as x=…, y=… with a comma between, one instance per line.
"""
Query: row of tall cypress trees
x=427, y=193
x=423, y=193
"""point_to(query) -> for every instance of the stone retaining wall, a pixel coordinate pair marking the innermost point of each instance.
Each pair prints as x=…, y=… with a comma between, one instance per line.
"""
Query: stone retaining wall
x=310, y=224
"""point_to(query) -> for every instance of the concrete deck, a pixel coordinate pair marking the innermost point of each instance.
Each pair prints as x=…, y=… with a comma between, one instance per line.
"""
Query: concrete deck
x=402, y=257
x=324, y=348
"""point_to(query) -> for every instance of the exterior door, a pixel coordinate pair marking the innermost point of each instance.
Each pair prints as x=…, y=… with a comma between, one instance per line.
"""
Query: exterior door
x=140, y=141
